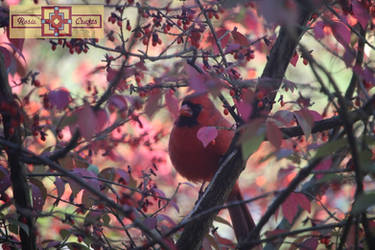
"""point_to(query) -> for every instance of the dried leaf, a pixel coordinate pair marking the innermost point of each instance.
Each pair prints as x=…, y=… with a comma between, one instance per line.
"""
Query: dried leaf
x=274, y=134
x=206, y=135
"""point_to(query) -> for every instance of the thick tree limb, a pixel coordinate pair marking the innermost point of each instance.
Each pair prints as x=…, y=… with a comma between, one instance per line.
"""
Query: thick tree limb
x=21, y=190
x=223, y=181
x=333, y=122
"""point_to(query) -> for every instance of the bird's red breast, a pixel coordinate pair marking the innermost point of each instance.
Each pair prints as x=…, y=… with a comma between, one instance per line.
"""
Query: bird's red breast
x=198, y=163
x=188, y=155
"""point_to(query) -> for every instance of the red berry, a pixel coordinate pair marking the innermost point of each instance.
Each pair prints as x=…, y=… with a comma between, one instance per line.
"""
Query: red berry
x=260, y=95
x=23, y=219
x=80, y=238
x=78, y=50
x=138, y=34
x=357, y=102
x=210, y=14
x=138, y=79
x=367, y=85
x=226, y=112
x=36, y=83
x=145, y=41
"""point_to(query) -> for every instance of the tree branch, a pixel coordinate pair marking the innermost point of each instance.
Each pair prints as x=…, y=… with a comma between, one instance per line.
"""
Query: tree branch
x=248, y=243
x=20, y=186
x=230, y=169
x=84, y=184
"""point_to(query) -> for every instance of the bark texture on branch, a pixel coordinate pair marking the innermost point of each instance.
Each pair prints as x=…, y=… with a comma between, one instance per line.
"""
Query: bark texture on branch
x=233, y=164
x=21, y=190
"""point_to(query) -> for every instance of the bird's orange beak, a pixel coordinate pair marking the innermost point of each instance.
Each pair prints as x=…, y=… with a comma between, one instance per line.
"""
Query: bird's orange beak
x=185, y=110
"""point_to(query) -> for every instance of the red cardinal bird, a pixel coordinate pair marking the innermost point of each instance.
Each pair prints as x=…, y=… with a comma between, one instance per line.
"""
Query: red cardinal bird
x=198, y=163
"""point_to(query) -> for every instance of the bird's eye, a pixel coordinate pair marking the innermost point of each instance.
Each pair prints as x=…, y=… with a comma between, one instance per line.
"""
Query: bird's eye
x=185, y=110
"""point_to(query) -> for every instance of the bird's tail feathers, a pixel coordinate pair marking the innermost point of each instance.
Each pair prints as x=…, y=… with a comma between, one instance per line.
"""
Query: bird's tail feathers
x=242, y=220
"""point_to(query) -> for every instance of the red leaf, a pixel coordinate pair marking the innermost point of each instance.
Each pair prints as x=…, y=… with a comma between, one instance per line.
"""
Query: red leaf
x=361, y=13
x=348, y=57
x=323, y=165
x=310, y=244
x=232, y=47
x=341, y=32
x=303, y=202
x=289, y=208
x=81, y=172
x=172, y=104
x=153, y=104
x=244, y=109
x=39, y=194
x=368, y=75
x=60, y=186
x=101, y=119
x=86, y=121
x=123, y=174
x=239, y=38
x=196, y=80
x=290, y=205
x=118, y=101
x=274, y=134
x=223, y=39
x=289, y=85
x=319, y=30
x=305, y=120
x=112, y=73
x=315, y=115
x=284, y=116
x=294, y=59
x=60, y=98
x=207, y=135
